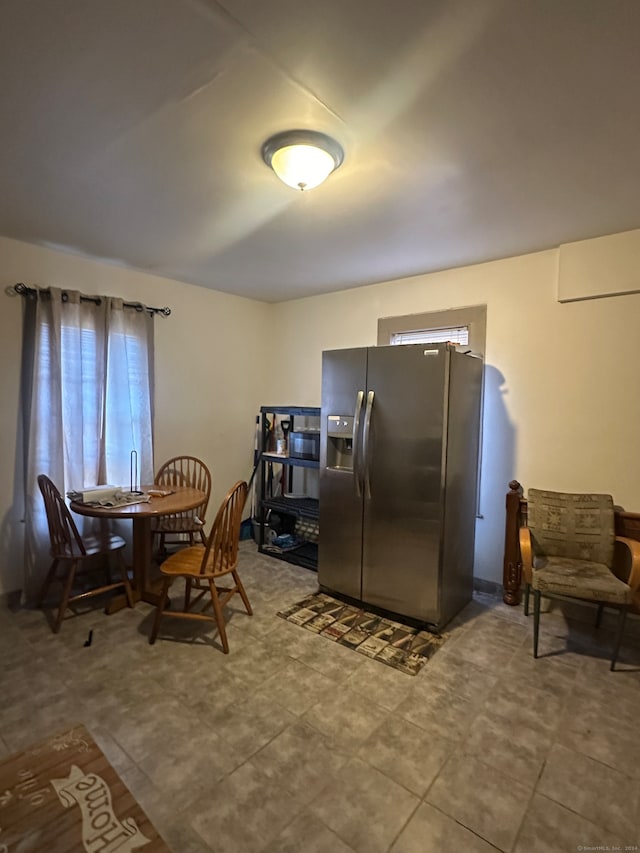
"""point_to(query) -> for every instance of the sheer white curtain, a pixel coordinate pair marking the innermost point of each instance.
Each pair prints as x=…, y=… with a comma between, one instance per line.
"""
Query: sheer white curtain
x=87, y=395
x=128, y=410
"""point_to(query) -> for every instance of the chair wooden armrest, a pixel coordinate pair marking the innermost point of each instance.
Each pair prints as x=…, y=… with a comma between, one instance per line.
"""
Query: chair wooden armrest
x=626, y=565
x=511, y=571
x=526, y=553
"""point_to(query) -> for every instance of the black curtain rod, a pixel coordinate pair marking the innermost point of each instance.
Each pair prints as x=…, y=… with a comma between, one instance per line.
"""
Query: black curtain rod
x=23, y=290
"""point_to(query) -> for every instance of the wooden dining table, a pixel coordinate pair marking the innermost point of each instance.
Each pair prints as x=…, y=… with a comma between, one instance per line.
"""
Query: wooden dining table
x=181, y=499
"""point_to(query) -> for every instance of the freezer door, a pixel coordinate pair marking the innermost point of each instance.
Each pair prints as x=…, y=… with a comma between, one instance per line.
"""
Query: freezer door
x=340, y=547
x=403, y=491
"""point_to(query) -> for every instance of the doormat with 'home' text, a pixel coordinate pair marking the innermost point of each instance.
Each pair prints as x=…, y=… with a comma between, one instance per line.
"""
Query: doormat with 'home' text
x=63, y=796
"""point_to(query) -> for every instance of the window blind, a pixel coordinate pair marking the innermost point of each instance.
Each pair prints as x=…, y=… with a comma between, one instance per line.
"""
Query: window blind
x=453, y=334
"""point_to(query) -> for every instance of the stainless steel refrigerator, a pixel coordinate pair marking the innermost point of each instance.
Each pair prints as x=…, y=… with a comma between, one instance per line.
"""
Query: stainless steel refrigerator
x=398, y=477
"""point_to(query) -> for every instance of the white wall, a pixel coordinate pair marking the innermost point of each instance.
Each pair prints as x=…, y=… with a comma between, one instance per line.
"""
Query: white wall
x=604, y=266
x=209, y=368
x=562, y=398
x=562, y=401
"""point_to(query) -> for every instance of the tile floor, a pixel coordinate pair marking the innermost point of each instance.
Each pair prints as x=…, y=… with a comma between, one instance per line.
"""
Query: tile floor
x=291, y=744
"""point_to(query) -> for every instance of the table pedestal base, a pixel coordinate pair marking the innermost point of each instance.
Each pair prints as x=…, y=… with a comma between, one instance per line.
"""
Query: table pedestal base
x=143, y=588
x=119, y=602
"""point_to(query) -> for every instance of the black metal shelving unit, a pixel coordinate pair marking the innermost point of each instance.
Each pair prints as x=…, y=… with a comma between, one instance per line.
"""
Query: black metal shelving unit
x=304, y=508
x=298, y=507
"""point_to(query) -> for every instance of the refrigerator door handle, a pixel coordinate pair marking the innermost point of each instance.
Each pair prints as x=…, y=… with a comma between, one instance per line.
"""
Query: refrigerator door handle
x=356, y=442
x=366, y=442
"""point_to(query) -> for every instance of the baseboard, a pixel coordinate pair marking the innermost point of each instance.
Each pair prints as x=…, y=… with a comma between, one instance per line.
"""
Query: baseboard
x=11, y=600
x=488, y=587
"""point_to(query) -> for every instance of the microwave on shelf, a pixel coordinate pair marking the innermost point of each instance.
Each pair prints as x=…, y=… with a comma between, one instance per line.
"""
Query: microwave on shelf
x=304, y=444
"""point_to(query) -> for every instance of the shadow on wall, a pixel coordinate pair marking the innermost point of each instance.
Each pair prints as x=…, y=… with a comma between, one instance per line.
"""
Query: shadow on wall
x=497, y=468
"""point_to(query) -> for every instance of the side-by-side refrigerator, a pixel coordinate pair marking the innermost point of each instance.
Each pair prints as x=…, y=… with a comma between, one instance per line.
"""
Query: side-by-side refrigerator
x=398, y=477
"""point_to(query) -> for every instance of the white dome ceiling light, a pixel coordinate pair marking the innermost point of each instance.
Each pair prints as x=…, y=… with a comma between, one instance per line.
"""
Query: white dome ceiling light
x=302, y=159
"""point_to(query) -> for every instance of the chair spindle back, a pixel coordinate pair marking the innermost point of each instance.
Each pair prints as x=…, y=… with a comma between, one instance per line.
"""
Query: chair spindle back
x=63, y=533
x=187, y=471
x=221, y=551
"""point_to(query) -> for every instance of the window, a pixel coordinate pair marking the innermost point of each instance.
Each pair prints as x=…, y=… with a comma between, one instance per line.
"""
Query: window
x=127, y=422
x=458, y=335
x=104, y=402
x=87, y=402
x=463, y=326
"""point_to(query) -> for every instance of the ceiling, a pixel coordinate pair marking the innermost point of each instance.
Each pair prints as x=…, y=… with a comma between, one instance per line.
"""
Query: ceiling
x=130, y=131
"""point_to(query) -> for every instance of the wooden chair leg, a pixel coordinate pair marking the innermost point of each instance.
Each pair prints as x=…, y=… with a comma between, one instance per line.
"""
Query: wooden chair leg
x=159, y=610
x=202, y=536
x=243, y=594
x=527, y=590
x=65, y=595
x=620, y=632
x=187, y=594
x=536, y=620
x=125, y=579
x=217, y=609
x=47, y=582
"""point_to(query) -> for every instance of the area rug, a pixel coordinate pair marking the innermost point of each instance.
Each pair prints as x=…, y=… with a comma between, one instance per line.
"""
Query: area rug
x=62, y=796
x=379, y=638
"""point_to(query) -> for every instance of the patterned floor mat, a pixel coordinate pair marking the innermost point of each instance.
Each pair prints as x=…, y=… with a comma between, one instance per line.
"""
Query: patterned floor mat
x=380, y=638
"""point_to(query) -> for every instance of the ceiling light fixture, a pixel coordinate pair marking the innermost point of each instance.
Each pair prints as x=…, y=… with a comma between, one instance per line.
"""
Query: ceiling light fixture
x=302, y=159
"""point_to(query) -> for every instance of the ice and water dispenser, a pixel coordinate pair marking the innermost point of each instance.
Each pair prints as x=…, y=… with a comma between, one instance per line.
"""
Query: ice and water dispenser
x=340, y=442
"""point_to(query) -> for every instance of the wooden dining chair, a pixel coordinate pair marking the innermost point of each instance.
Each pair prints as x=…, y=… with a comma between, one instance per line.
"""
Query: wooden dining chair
x=73, y=555
x=202, y=567
x=183, y=527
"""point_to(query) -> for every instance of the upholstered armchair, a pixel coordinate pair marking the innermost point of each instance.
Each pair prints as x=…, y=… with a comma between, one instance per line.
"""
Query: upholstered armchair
x=569, y=549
